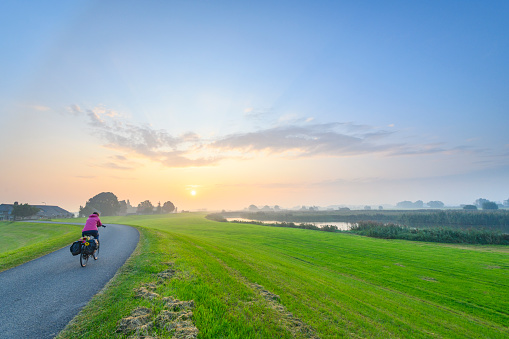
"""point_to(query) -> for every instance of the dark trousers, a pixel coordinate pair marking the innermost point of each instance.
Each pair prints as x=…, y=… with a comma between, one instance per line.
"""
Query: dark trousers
x=95, y=234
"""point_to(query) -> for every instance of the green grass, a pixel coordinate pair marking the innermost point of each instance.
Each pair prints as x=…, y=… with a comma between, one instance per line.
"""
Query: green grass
x=23, y=241
x=334, y=285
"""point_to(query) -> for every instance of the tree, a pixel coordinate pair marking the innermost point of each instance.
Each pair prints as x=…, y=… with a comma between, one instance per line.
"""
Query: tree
x=122, y=209
x=168, y=207
x=252, y=208
x=435, y=204
x=86, y=211
x=489, y=205
x=159, y=209
x=480, y=201
x=145, y=207
x=105, y=203
x=506, y=203
x=470, y=207
x=23, y=210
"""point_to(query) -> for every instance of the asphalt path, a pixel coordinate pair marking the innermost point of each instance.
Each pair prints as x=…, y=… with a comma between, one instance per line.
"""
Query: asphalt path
x=39, y=298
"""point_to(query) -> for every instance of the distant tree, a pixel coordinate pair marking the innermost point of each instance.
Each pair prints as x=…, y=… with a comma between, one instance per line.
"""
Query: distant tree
x=145, y=207
x=435, y=204
x=470, y=207
x=252, y=208
x=23, y=210
x=506, y=203
x=105, y=203
x=266, y=208
x=409, y=204
x=159, y=209
x=490, y=205
x=480, y=201
x=86, y=211
x=367, y=208
x=168, y=207
x=405, y=204
x=276, y=208
x=380, y=208
x=419, y=204
x=122, y=207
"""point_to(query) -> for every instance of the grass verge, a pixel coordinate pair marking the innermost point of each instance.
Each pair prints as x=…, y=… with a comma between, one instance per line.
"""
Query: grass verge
x=23, y=241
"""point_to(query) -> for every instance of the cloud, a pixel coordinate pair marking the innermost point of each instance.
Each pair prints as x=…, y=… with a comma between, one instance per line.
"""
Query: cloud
x=308, y=140
x=40, y=108
x=114, y=165
x=291, y=138
x=141, y=140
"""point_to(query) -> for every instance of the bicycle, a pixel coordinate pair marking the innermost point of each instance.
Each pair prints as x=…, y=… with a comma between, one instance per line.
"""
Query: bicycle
x=84, y=243
x=83, y=255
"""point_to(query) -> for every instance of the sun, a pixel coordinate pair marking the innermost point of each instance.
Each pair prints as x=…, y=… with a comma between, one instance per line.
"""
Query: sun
x=193, y=192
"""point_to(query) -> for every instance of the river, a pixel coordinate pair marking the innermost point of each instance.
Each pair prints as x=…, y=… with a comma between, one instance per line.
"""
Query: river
x=344, y=226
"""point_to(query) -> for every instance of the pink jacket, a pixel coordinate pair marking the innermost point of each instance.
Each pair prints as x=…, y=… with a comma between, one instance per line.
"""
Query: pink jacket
x=92, y=222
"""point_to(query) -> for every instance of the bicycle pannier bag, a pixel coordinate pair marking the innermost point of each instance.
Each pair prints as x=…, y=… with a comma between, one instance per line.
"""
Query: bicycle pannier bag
x=91, y=247
x=75, y=248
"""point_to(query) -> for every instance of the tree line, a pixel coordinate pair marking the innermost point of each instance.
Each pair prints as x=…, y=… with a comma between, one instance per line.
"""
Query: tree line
x=107, y=204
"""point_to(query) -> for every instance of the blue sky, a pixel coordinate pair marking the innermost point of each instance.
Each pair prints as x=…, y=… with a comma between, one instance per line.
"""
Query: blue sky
x=308, y=103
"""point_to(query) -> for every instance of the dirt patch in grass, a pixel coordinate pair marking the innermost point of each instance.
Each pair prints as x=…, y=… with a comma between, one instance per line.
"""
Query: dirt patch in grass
x=139, y=321
x=144, y=292
x=168, y=274
x=429, y=279
x=175, y=318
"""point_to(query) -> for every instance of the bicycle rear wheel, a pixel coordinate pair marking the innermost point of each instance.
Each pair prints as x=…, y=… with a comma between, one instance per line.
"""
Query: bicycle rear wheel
x=83, y=259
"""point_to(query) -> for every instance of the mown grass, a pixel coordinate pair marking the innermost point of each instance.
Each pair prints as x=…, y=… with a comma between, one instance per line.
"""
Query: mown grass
x=23, y=241
x=330, y=285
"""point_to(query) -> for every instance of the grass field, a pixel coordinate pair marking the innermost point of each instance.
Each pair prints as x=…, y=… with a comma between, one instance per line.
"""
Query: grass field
x=249, y=281
x=23, y=241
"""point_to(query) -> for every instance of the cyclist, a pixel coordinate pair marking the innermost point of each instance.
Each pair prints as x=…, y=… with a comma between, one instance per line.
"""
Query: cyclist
x=91, y=225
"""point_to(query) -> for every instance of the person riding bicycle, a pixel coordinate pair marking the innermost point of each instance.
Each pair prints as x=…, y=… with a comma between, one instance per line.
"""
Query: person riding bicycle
x=90, y=228
x=91, y=225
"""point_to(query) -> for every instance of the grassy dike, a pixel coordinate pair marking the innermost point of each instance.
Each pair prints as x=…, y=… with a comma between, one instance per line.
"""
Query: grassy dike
x=250, y=281
x=23, y=241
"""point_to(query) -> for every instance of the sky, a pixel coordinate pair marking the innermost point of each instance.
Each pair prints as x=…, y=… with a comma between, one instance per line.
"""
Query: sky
x=287, y=103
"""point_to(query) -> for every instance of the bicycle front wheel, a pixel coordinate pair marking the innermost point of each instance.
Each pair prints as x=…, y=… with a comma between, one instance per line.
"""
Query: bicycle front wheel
x=96, y=253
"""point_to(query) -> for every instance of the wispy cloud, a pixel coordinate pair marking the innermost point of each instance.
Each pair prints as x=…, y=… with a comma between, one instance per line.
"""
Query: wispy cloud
x=291, y=138
x=307, y=140
x=40, y=108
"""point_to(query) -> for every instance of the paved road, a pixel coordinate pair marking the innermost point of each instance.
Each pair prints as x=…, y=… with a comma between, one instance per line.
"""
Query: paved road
x=38, y=298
